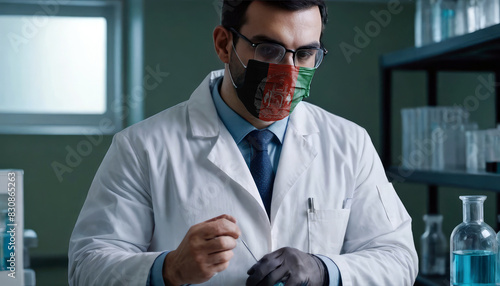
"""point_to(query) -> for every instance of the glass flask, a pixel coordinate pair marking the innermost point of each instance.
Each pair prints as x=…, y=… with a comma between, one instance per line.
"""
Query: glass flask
x=473, y=247
x=433, y=246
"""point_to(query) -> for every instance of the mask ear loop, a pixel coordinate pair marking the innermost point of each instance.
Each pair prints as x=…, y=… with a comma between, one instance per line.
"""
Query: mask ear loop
x=230, y=76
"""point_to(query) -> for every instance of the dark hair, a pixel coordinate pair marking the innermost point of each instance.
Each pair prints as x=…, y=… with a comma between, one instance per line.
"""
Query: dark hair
x=233, y=11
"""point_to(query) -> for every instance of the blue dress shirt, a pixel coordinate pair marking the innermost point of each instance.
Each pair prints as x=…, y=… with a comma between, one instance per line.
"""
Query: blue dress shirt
x=239, y=128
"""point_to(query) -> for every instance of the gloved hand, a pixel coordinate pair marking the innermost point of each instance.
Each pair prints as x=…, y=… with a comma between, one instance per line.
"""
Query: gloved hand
x=288, y=265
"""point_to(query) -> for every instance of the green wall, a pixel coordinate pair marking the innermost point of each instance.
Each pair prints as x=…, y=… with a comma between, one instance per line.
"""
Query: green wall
x=178, y=39
x=51, y=205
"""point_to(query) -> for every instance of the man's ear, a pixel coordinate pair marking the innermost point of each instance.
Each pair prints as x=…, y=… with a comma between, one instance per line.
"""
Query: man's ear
x=222, y=43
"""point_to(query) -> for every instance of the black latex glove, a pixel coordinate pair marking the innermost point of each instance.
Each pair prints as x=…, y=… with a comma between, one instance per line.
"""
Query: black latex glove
x=288, y=265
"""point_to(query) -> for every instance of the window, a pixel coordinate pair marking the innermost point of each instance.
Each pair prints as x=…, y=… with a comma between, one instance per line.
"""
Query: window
x=61, y=67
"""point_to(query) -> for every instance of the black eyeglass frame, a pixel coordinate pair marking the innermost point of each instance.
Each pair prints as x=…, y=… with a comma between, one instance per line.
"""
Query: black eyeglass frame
x=254, y=45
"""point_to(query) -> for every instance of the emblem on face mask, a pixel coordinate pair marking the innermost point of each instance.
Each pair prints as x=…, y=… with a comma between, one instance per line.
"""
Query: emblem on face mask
x=270, y=92
x=274, y=95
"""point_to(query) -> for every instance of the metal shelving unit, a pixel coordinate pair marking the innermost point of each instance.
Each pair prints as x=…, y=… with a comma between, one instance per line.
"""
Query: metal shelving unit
x=476, y=180
x=478, y=51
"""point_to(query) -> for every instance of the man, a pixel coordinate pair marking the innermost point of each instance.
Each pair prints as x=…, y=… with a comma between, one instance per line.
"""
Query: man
x=244, y=169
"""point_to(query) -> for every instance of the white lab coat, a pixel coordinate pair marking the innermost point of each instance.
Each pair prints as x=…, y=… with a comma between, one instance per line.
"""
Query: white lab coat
x=181, y=167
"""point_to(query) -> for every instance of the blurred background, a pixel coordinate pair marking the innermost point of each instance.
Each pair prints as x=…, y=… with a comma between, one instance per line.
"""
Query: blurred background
x=150, y=55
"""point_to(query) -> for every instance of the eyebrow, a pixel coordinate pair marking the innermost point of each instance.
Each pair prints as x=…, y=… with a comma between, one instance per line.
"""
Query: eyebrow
x=265, y=39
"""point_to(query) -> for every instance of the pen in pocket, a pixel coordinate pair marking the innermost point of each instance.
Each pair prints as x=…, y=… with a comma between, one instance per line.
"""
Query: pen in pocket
x=310, y=205
x=311, y=211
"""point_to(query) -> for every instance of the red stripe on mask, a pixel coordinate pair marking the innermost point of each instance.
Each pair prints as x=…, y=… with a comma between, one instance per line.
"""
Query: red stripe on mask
x=278, y=92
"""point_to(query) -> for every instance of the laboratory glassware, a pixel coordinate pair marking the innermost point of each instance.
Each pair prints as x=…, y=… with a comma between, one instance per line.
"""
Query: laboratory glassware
x=473, y=246
x=468, y=16
x=452, y=147
x=492, y=149
x=493, y=152
x=476, y=150
x=489, y=13
x=3, y=228
x=497, y=277
x=443, y=19
x=423, y=22
x=6, y=251
x=2, y=241
x=433, y=246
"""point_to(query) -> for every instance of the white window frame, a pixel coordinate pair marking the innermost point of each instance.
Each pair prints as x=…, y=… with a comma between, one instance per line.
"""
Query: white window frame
x=112, y=120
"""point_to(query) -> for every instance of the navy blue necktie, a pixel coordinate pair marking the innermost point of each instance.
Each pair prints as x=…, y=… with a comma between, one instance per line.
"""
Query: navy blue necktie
x=260, y=165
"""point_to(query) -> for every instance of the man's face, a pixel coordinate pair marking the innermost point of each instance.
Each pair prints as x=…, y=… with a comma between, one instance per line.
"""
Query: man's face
x=265, y=23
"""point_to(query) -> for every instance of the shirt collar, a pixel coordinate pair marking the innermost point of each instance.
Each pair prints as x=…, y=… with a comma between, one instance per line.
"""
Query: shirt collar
x=237, y=126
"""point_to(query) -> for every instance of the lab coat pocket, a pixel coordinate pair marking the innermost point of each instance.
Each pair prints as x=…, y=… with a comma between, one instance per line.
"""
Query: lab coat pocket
x=326, y=230
x=393, y=207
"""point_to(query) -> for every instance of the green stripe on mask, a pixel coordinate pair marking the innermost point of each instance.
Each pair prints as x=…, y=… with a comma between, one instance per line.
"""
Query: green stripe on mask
x=303, y=86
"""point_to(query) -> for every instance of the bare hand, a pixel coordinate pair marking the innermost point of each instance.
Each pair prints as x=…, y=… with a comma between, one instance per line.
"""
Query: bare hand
x=205, y=250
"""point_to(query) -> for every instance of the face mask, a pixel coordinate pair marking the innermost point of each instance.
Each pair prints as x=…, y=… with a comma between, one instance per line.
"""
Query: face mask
x=270, y=92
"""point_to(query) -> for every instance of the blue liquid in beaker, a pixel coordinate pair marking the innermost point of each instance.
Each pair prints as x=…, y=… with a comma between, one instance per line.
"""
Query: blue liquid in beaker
x=474, y=267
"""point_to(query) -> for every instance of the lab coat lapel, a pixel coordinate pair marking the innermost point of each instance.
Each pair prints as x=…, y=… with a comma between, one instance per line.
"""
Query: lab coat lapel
x=224, y=153
x=297, y=155
x=227, y=157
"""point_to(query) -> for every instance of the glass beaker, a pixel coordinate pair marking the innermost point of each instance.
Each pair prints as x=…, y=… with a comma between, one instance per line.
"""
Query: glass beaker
x=492, y=148
x=489, y=13
x=473, y=246
x=475, y=151
x=423, y=22
x=443, y=19
x=433, y=246
x=468, y=16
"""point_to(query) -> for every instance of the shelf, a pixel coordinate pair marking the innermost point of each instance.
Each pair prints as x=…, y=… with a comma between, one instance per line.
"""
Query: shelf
x=479, y=51
x=423, y=280
x=461, y=179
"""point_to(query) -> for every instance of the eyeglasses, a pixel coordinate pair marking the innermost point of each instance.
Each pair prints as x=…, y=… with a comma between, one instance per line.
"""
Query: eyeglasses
x=274, y=53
